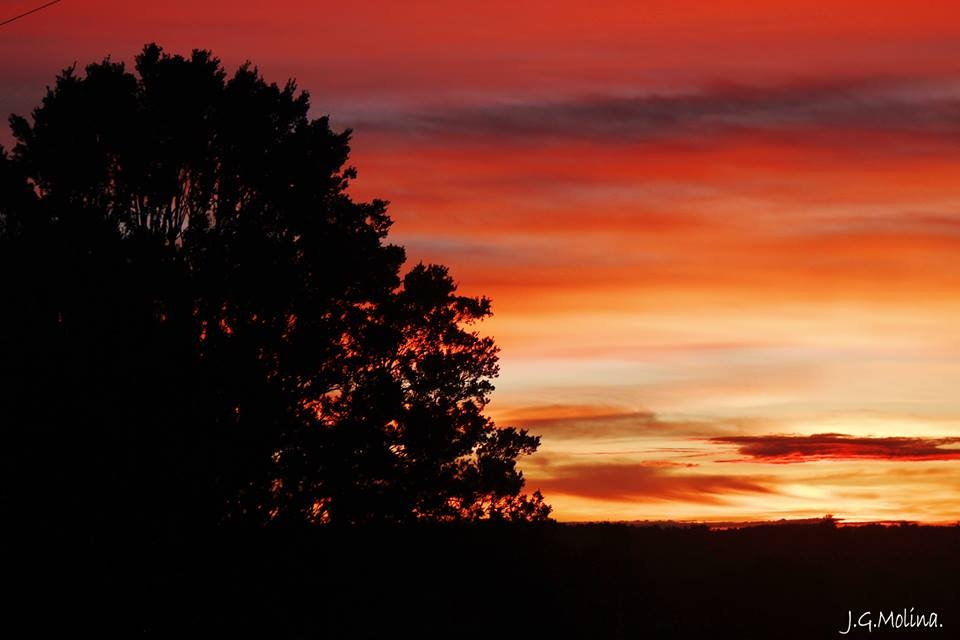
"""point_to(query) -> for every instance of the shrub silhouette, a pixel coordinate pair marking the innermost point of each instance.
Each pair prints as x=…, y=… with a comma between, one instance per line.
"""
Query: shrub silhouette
x=201, y=325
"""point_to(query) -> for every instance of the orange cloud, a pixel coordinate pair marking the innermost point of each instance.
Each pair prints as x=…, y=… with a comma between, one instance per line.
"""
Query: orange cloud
x=649, y=481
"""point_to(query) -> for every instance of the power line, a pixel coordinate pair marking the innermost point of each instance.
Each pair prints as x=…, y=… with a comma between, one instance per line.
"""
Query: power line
x=25, y=14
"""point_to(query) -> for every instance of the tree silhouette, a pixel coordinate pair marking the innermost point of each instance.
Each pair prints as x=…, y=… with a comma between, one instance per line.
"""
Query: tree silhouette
x=200, y=324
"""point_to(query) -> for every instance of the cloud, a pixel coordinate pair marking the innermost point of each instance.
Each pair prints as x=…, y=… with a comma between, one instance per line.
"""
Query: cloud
x=836, y=446
x=563, y=422
x=856, y=105
x=596, y=422
x=647, y=481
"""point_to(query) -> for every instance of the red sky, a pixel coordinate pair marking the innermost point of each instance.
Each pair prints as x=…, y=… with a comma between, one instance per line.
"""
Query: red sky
x=721, y=240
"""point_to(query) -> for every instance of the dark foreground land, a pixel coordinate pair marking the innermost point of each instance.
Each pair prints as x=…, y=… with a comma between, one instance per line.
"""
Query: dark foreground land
x=554, y=581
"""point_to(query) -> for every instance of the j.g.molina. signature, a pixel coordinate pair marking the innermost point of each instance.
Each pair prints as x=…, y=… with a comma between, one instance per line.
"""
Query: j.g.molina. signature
x=906, y=619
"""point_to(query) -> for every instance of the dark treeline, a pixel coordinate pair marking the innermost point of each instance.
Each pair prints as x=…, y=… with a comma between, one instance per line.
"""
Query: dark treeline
x=535, y=581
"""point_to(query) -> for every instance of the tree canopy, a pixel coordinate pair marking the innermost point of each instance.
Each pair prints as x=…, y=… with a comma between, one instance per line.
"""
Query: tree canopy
x=201, y=326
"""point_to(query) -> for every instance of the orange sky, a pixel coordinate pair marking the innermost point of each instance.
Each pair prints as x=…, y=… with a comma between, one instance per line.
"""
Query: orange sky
x=711, y=232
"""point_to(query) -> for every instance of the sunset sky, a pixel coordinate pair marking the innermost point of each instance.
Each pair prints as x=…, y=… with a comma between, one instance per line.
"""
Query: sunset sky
x=722, y=242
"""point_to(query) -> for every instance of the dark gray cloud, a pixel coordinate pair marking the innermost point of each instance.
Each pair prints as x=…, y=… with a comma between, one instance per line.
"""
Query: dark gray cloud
x=627, y=425
x=861, y=105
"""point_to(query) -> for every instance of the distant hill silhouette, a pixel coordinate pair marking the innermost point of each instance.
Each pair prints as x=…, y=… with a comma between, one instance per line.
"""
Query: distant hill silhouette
x=537, y=581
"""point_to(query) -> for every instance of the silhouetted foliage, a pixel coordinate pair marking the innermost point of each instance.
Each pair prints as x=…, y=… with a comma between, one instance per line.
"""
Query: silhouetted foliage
x=201, y=325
